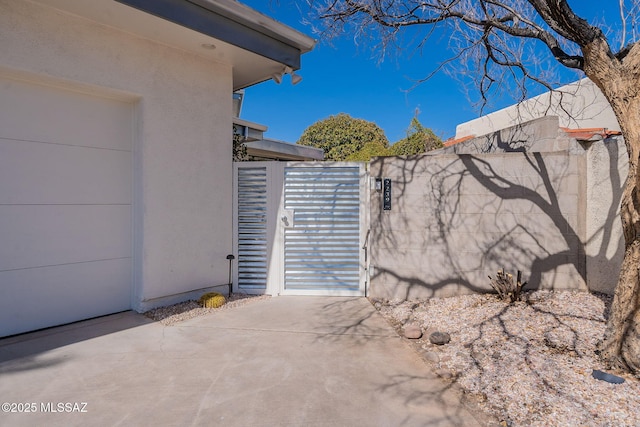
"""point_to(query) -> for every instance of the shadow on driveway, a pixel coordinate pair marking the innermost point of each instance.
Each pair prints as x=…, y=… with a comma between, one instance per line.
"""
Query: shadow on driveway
x=285, y=361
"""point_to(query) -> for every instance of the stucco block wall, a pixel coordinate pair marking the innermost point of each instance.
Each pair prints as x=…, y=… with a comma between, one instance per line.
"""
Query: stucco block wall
x=540, y=135
x=182, y=165
x=455, y=219
x=608, y=167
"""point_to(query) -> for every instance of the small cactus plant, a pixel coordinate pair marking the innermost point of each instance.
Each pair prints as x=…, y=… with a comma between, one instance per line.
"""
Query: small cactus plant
x=212, y=300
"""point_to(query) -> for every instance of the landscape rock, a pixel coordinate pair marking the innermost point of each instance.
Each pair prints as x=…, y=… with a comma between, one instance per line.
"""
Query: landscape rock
x=412, y=331
x=604, y=376
x=439, y=338
x=560, y=339
x=478, y=356
x=431, y=356
x=444, y=373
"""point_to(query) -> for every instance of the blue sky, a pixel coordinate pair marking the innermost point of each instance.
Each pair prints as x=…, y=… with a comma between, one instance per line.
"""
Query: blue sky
x=349, y=78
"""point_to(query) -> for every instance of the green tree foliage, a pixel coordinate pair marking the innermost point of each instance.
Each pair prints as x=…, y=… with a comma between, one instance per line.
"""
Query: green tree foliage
x=419, y=140
x=341, y=136
x=239, y=148
x=369, y=150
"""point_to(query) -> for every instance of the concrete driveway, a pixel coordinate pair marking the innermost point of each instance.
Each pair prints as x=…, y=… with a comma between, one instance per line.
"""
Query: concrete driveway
x=285, y=361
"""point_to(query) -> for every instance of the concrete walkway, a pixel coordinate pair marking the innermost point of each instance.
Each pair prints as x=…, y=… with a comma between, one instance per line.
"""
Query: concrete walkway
x=286, y=361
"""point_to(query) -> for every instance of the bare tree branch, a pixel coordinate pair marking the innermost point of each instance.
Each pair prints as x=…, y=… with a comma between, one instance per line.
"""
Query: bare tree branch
x=493, y=23
x=623, y=19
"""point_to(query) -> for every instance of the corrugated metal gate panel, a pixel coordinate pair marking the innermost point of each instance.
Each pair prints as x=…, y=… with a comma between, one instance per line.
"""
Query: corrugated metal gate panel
x=252, y=229
x=322, y=247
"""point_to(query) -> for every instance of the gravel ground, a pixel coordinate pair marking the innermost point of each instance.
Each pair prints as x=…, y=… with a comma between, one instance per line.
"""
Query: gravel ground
x=172, y=314
x=529, y=363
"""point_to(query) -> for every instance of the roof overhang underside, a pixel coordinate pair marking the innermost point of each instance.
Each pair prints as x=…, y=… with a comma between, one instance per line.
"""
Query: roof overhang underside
x=227, y=31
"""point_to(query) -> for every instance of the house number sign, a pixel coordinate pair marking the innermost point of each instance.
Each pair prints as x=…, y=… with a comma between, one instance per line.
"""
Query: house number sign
x=386, y=194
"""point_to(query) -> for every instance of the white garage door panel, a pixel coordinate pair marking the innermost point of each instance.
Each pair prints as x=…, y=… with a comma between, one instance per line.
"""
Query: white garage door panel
x=65, y=205
x=36, y=236
x=42, y=297
x=61, y=174
x=42, y=113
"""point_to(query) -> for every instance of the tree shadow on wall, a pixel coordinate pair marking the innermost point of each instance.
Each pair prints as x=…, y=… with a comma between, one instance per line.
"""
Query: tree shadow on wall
x=455, y=219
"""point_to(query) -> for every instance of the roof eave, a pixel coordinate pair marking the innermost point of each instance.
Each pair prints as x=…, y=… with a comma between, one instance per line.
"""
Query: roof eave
x=270, y=148
x=233, y=23
x=245, y=15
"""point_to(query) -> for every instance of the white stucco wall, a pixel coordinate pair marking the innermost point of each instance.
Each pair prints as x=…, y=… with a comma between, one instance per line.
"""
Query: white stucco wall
x=577, y=105
x=182, y=151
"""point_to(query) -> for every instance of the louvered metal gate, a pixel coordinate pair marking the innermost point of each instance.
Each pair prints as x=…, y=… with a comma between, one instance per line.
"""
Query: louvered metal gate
x=251, y=197
x=299, y=228
x=322, y=243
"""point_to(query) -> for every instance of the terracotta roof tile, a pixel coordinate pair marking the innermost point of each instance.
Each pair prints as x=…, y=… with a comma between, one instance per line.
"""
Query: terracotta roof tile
x=586, y=134
x=450, y=142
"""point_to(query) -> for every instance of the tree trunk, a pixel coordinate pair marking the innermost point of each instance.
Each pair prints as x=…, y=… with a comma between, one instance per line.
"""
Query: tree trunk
x=620, y=348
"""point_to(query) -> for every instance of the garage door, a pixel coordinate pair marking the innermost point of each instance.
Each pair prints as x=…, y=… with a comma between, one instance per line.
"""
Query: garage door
x=65, y=206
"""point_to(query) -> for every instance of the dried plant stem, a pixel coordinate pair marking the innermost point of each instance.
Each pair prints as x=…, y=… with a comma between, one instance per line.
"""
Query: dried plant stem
x=506, y=288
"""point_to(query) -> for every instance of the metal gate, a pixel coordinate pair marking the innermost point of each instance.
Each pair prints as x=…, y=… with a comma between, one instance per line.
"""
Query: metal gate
x=251, y=214
x=299, y=228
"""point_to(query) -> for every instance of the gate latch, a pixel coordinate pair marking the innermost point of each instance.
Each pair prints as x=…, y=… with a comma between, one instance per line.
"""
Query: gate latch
x=287, y=218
